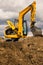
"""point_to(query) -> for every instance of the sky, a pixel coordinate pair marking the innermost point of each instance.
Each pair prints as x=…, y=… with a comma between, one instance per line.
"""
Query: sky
x=11, y=8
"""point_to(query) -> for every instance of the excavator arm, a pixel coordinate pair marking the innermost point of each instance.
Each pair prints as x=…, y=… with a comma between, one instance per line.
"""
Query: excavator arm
x=31, y=8
x=33, y=14
x=21, y=17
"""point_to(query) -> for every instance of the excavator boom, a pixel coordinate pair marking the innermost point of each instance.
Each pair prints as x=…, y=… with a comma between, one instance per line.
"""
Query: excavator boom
x=31, y=8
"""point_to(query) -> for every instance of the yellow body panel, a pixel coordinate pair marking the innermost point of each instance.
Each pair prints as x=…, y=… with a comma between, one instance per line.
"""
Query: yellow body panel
x=13, y=36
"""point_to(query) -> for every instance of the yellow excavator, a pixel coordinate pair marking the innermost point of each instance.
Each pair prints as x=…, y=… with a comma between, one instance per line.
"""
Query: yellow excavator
x=18, y=29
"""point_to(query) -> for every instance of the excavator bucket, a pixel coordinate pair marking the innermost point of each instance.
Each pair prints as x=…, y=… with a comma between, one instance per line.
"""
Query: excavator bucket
x=36, y=31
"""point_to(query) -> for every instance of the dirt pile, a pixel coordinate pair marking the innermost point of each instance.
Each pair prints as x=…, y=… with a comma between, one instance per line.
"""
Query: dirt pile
x=2, y=39
x=26, y=52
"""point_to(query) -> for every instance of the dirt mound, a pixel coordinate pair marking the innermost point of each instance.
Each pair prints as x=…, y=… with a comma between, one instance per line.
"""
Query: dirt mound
x=26, y=52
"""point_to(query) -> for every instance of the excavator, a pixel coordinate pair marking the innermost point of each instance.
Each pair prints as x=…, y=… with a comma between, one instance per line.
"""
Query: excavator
x=18, y=29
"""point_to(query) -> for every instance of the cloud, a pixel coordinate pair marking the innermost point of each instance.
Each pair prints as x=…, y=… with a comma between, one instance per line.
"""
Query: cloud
x=13, y=7
x=6, y=15
x=12, y=4
x=40, y=9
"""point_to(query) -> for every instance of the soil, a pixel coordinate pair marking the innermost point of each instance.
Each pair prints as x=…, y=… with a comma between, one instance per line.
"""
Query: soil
x=28, y=51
